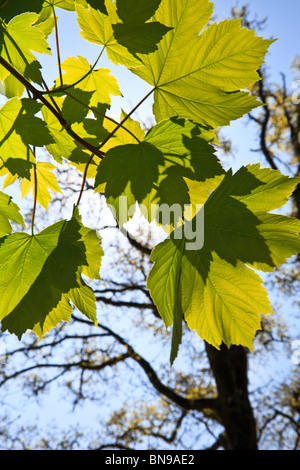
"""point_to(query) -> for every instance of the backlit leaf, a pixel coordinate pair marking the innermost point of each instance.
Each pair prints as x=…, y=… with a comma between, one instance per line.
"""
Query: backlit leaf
x=96, y=27
x=37, y=293
x=134, y=31
x=62, y=312
x=20, y=128
x=97, y=81
x=199, y=77
x=219, y=295
x=9, y=211
x=11, y=8
x=51, y=275
x=22, y=258
x=46, y=181
x=18, y=39
x=153, y=171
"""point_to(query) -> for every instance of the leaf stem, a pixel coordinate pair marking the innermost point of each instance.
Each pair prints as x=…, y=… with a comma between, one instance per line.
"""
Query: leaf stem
x=57, y=46
x=34, y=194
x=63, y=88
x=95, y=111
x=106, y=139
x=125, y=118
x=84, y=177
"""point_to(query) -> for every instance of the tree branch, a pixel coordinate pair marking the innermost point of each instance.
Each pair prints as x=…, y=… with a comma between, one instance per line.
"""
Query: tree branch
x=199, y=404
x=38, y=95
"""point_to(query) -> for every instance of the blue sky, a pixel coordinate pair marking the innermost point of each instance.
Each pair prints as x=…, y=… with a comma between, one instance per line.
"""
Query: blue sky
x=283, y=23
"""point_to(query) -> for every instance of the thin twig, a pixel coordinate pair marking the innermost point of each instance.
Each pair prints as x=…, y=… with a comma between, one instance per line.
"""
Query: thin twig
x=96, y=111
x=105, y=141
x=62, y=89
x=57, y=46
x=125, y=118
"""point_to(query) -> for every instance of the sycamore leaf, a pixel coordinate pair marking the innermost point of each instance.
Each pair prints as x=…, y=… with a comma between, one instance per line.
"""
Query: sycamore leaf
x=20, y=128
x=22, y=258
x=12, y=87
x=84, y=300
x=11, y=143
x=241, y=231
x=63, y=145
x=153, y=171
x=40, y=289
x=261, y=189
x=134, y=31
x=44, y=276
x=211, y=286
x=18, y=39
x=136, y=11
x=8, y=211
x=11, y=8
x=62, y=312
x=96, y=27
x=93, y=249
x=131, y=132
x=46, y=181
x=98, y=81
x=199, y=77
x=76, y=104
x=31, y=128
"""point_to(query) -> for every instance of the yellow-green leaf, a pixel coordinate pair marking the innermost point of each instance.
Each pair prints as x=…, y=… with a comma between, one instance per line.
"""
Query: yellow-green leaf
x=199, y=77
x=46, y=182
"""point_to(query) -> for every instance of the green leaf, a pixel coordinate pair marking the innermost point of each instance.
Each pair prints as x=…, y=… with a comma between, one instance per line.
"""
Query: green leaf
x=98, y=81
x=134, y=31
x=20, y=128
x=8, y=211
x=139, y=38
x=84, y=300
x=12, y=87
x=52, y=274
x=131, y=132
x=264, y=191
x=46, y=181
x=31, y=128
x=76, y=104
x=154, y=170
x=64, y=146
x=17, y=41
x=136, y=11
x=199, y=77
x=11, y=143
x=246, y=232
x=213, y=286
x=40, y=275
x=62, y=312
x=22, y=258
x=96, y=27
x=93, y=249
x=11, y=8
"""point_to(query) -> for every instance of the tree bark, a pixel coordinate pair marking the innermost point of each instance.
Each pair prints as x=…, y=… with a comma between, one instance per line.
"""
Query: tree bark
x=230, y=369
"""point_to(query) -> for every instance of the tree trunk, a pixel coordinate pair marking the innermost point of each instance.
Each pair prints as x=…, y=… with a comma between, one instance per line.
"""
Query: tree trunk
x=230, y=370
